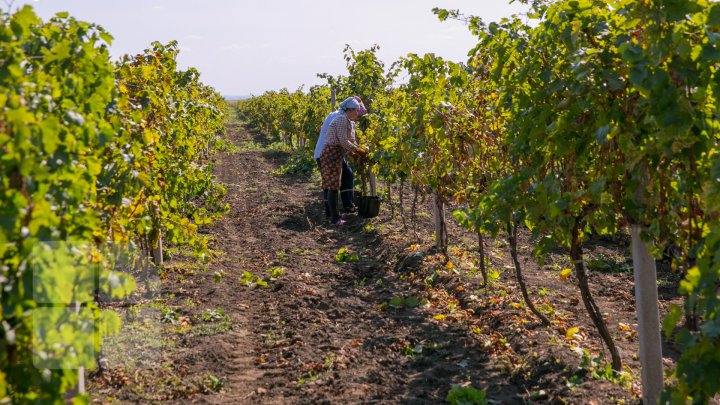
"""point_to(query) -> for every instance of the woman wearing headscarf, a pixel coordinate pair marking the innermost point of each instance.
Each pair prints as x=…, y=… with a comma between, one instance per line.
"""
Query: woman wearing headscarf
x=339, y=142
x=347, y=178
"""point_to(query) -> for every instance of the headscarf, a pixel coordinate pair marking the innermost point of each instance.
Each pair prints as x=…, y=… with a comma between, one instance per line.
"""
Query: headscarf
x=349, y=104
x=354, y=102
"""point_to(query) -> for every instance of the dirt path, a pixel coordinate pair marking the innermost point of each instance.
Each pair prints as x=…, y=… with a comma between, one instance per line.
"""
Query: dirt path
x=318, y=333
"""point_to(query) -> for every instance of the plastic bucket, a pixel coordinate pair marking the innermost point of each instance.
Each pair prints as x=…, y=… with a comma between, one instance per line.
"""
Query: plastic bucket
x=369, y=206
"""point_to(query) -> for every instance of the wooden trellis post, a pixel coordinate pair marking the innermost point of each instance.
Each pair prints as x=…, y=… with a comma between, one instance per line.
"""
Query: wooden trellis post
x=646, y=303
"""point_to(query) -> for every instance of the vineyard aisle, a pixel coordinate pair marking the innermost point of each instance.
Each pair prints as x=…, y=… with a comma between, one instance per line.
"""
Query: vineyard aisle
x=327, y=329
x=316, y=332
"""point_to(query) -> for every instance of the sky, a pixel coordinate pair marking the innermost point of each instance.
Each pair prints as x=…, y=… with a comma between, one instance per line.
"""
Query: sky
x=247, y=47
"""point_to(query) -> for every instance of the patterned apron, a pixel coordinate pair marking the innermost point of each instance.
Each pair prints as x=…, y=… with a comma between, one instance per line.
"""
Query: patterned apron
x=331, y=166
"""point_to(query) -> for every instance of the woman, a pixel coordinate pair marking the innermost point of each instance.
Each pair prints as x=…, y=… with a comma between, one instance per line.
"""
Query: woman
x=347, y=178
x=340, y=140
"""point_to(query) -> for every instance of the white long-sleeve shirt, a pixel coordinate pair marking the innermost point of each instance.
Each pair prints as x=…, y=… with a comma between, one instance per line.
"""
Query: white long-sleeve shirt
x=323, y=133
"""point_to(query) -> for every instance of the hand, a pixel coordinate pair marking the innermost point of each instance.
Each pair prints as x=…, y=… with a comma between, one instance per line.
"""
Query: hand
x=359, y=156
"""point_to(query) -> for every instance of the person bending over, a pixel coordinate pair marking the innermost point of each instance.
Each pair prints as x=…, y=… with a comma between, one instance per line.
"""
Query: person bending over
x=347, y=178
x=339, y=142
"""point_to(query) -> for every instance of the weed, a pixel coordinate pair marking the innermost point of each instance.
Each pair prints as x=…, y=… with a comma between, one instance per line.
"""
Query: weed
x=345, y=256
x=212, y=384
x=412, y=351
x=594, y=368
x=544, y=292
x=168, y=315
x=468, y=395
x=547, y=309
x=248, y=146
x=275, y=272
x=573, y=381
x=214, y=321
x=250, y=280
x=310, y=376
x=611, y=264
x=493, y=274
x=303, y=252
x=410, y=301
x=329, y=361
x=434, y=346
x=213, y=315
x=299, y=162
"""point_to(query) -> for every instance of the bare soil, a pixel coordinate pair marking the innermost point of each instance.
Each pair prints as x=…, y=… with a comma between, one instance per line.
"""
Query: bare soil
x=399, y=325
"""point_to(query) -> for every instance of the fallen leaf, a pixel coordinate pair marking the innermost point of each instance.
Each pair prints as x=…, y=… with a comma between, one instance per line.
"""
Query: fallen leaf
x=570, y=333
x=565, y=273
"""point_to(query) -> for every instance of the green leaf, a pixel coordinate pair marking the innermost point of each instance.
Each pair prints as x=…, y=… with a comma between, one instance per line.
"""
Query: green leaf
x=441, y=13
x=671, y=319
x=713, y=18
x=601, y=133
x=50, y=129
x=106, y=37
x=691, y=281
x=23, y=19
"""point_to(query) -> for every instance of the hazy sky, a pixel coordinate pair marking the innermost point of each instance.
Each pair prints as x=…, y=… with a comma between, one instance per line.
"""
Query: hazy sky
x=249, y=46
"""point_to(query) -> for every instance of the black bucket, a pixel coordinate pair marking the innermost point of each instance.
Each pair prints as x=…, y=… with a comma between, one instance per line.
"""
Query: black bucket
x=362, y=206
x=369, y=206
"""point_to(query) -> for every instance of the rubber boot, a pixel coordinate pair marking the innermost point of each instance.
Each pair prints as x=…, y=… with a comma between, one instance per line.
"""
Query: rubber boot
x=333, y=203
x=326, y=204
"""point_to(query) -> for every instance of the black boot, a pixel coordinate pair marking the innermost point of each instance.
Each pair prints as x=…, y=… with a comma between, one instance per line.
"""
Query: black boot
x=326, y=204
x=333, y=203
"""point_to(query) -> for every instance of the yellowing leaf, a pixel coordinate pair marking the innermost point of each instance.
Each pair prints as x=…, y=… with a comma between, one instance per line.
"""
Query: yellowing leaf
x=439, y=317
x=95, y=256
x=565, y=273
x=570, y=334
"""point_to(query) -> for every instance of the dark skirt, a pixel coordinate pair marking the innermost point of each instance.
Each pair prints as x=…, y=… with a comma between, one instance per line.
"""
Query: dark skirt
x=331, y=166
